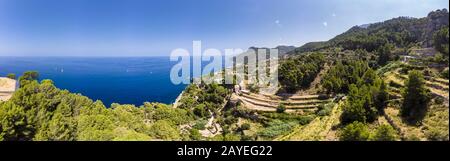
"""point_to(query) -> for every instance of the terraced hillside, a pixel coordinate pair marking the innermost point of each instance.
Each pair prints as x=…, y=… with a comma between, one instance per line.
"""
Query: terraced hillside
x=321, y=128
x=439, y=87
x=293, y=103
x=436, y=121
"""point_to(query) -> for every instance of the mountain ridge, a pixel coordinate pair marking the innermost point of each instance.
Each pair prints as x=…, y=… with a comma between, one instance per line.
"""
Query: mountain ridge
x=408, y=30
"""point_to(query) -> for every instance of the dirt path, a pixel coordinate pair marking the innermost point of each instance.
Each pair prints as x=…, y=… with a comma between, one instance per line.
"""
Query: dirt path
x=207, y=132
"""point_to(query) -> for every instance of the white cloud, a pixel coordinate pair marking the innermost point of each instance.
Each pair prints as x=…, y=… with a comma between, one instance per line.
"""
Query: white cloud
x=325, y=24
x=334, y=14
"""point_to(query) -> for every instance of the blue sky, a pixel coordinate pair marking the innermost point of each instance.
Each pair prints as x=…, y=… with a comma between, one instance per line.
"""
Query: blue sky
x=149, y=28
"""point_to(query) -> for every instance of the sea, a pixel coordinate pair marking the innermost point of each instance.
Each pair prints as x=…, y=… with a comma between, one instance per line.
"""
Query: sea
x=124, y=80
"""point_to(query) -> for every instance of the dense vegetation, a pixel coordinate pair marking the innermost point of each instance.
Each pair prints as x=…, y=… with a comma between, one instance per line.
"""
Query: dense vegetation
x=11, y=76
x=299, y=72
x=367, y=94
x=40, y=111
x=358, y=131
x=367, y=97
x=441, y=40
x=204, y=99
x=339, y=78
x=402, y=32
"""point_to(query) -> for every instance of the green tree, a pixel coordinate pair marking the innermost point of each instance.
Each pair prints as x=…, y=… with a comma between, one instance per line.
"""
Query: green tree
x=194, y=134
x=59, y=128
x=200, y=110
x=445, y=73
x=14, y=124
x=28, y=76
x=165, y=130
x=359, y=106
x=11, y=76
x=384, y=54
x=385, y=133
x=299, y=72
x=339, y=78
x=440, y=40
x=124, y=134
x=381, y=98
x=415, y=97
x=281, y=108
x=95, y=128
x=355, y=131
x=245, y=126
x=160, y=111
x=231, y=137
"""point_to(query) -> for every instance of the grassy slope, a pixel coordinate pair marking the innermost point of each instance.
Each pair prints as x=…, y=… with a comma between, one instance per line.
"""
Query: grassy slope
x=436, y=120
x=321, y=128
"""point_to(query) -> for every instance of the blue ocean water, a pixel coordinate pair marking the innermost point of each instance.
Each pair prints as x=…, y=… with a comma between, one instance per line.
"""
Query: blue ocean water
x=115, y=79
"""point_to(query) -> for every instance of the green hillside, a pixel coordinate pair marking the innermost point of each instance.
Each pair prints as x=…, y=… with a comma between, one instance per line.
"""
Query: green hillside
x=385, y=81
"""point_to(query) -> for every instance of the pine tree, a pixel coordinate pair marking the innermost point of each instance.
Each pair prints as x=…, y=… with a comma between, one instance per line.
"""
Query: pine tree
x=384, y=54
x=14, y=124
x=381, y=98
x=415, y=97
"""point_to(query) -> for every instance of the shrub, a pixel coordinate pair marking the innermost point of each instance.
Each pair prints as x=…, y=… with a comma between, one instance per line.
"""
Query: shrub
x=275, y=128
x=230, y=120
x=323, y=97
x=355, y=131
x=281, y=108
x=246, y=138
x=290, y=117
x=445, y=73
x=165, y=130
x=245, y=126
x=439, y=100
x=11, y=76
x=200, y=110
x=435, y=128
x=385, y=133
x=325, y=110
x=305, y=120
x=231, y=137
x=194, y=134
x=434, y=134
x=200, y=125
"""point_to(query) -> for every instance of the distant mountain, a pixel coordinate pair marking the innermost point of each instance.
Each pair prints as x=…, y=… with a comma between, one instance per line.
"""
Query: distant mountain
x=282, y=50
x=365, y=25
x=308, y=47
x=401, y=31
